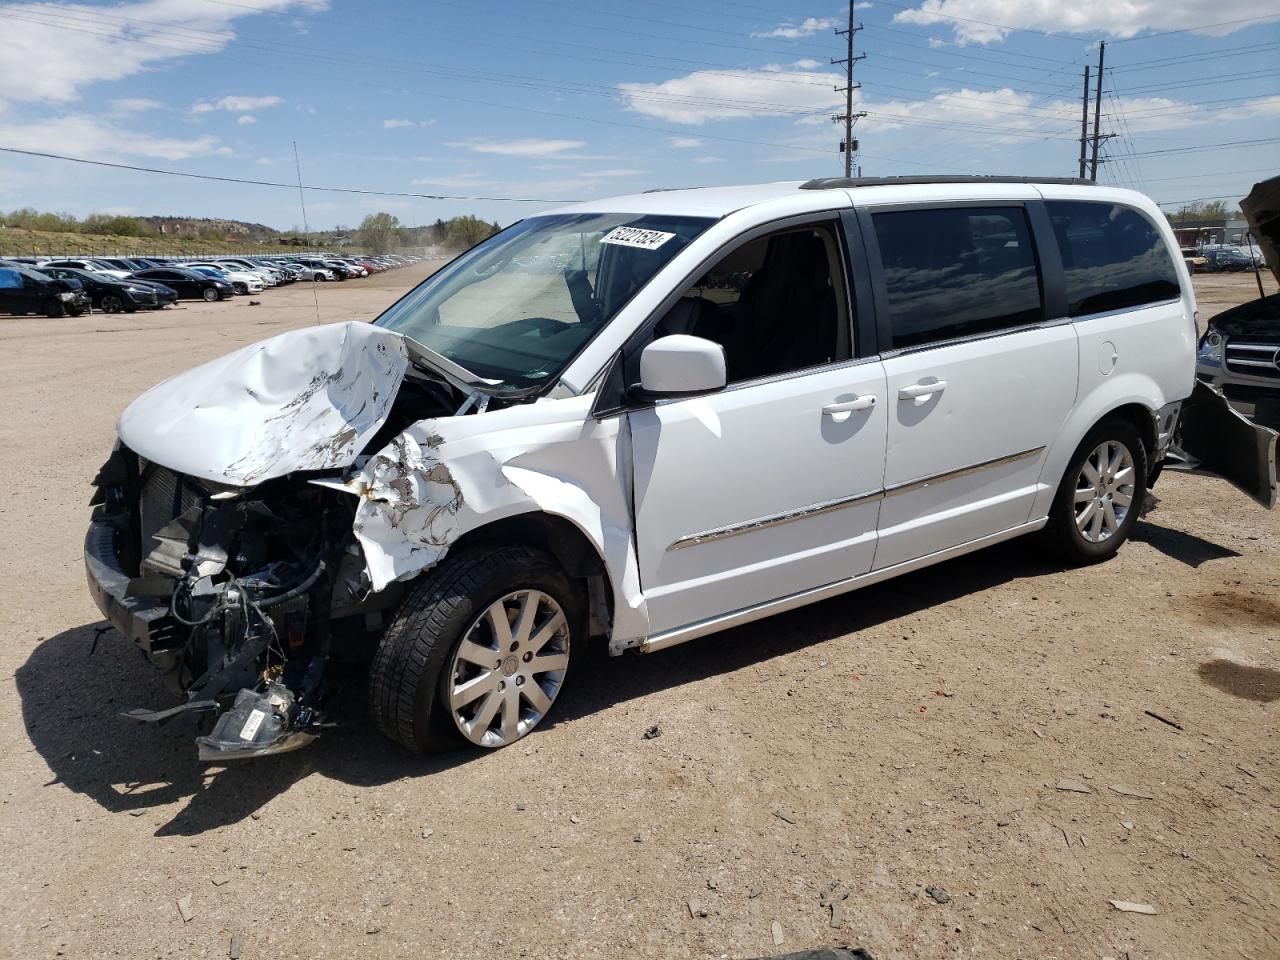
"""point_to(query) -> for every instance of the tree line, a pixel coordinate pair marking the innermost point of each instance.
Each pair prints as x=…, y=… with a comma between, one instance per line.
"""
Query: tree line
x=383, y=232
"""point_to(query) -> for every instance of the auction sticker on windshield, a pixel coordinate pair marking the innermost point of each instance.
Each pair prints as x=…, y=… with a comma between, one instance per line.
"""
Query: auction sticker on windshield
x=636, y=237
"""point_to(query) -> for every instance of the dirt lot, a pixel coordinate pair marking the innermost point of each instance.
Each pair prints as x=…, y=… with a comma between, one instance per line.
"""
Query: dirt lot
x=910, y=736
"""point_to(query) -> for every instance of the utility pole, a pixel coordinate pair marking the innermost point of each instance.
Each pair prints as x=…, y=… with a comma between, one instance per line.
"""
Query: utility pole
x=849, y=146
x=1084, y=120
x=1097, y=113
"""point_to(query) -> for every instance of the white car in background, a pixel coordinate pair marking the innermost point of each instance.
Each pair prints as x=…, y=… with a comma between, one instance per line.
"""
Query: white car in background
x=90, y=264
x=642, y=420
x=267, y=277
x=241, y=280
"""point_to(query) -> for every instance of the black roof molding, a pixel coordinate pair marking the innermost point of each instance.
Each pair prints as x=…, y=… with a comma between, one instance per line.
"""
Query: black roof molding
x=831, y=183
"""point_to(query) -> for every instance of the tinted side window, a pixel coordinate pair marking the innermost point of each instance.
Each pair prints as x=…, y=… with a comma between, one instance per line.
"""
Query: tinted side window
x=776, y=304
x=957, y=271
x=1112, y=256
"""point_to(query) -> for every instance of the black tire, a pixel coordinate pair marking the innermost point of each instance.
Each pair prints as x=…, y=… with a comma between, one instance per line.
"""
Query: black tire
x=74, y=311
x=56, y=310
x=240, y=288
x=1061, y=533
x=210, y=294
x=407, y=678
x=111, y=303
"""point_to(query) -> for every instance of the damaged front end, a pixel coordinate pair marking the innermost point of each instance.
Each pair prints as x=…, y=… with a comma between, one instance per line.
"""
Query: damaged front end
x=233, y=593
x=223, y=543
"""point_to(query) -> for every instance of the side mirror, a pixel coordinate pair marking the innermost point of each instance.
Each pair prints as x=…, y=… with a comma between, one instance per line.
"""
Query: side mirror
x=681, y=365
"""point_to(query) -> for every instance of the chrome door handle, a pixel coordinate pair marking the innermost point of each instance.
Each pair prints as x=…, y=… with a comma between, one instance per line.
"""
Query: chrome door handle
x=918, y=390
x=849, y=406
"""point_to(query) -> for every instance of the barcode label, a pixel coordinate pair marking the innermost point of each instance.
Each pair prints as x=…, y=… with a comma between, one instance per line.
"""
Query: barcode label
x=636, y=237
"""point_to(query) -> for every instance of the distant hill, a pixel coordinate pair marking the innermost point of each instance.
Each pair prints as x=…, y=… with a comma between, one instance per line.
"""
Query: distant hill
x=182, y=227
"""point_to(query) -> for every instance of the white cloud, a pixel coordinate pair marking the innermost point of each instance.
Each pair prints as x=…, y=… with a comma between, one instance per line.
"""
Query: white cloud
x=521, y=148
x=705, y=161
x=710, y=95
x=246, y=120
x=1008, y=116
x=397, y=124
x=127, y=105
x=614, y=172
x=236, y=104
x=53, y=50
x=92, y=136
x=686, y=143
x=806, y=28
x=988, y=21
x=807, y=64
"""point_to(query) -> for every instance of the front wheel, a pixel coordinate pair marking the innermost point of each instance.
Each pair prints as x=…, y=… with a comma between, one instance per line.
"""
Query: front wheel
x=479, y=651
x=210, y=294
x=1101, y=495
x=112, y=304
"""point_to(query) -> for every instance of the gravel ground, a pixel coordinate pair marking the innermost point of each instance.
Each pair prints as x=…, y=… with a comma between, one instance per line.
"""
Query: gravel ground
x=975, y=734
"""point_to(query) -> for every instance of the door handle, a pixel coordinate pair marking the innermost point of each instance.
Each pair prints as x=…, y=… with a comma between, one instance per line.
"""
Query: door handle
x=849, y=406
x=918, y=390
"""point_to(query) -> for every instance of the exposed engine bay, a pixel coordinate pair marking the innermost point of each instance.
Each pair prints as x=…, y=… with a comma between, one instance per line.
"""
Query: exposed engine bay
x=249, y=598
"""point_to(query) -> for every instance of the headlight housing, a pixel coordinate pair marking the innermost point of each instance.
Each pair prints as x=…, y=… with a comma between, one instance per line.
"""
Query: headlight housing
x=1211, y=348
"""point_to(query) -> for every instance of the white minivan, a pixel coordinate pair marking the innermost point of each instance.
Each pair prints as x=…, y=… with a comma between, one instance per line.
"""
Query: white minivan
x=646, y=419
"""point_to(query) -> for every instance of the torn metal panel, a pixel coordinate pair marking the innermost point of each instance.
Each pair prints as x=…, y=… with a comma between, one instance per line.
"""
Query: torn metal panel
x=304, y=400
x=443, y=478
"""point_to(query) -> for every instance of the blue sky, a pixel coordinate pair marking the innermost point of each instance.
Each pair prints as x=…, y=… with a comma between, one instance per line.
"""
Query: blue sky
x=561, y=100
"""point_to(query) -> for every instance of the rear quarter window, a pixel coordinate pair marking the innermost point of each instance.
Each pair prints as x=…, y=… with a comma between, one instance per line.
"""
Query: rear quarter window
x=1113, y=257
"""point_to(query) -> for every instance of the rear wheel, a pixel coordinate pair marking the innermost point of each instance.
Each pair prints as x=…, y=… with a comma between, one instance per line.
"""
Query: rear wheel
x=479, y=651
x=112, y=303
x=1101, y=495
x=210, y=294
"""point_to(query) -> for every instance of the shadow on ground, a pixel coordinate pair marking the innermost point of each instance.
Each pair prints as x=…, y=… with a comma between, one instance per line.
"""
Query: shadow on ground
x=1177, y=545
x=72, y=700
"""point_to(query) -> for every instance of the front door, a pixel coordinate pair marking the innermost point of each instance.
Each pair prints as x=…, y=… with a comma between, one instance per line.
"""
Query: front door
x=770, y=486
x=978, y=384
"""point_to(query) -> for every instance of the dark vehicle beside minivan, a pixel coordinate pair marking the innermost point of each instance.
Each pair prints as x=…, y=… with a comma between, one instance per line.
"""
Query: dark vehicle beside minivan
x=188, y=284
x=23, y=291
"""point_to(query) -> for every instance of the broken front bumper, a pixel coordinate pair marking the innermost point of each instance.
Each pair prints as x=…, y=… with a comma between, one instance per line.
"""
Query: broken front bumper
x=144, y=620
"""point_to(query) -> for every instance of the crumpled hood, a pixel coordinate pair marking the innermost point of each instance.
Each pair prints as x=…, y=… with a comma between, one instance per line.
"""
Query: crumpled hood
x=305, y=400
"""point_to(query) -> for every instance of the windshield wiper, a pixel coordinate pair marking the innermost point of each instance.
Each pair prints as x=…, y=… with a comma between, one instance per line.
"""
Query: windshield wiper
x=424, y=358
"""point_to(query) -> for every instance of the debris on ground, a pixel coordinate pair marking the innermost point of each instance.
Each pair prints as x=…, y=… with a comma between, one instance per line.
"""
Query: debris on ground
x=372, y=929
x=1130, y=792
x=521, y=806
x=1127, y=824
x=427, y=832
x=1073, y=786
x=1126, y=906
x=184, y=908
x=220, y=881
x=696, y=909
x=653, y=732
x=938, y=894
x=137, y=813
x=1155, y=716
x=837, y=914
x=784, y=816
x=574, y=818
x=776, y=929
x=233, y=951
x=755, y=892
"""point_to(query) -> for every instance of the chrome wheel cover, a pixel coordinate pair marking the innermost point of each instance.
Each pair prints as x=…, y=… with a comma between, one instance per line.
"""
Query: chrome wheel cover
x=508, y=668
x=1104, y=491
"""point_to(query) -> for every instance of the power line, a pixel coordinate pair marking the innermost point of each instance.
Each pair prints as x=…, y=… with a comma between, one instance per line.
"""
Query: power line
x=848, y=145
x=1212, y=146
x=1203, y=26
x=271, y=183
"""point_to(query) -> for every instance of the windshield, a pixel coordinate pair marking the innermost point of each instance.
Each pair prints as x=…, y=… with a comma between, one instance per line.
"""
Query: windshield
x=518, y=307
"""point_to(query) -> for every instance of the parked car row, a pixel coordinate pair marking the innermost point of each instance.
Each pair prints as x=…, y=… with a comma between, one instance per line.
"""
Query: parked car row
x=1220, y=258
x=70, y=286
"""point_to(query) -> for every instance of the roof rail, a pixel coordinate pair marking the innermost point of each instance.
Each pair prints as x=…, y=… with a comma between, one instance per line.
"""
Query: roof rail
x=829, y=183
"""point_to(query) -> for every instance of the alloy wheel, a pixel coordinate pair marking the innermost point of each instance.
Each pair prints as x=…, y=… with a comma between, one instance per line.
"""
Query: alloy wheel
x=508, y=669
x=1104, y=491
x=111, y=304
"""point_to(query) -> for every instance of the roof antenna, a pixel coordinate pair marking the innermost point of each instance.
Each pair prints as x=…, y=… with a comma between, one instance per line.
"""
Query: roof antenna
x=306, y=230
